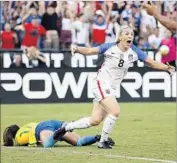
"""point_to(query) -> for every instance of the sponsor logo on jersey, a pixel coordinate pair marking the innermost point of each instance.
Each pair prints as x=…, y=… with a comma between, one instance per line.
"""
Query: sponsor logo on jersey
x=113, y=53
x=121, y=56
x=130, y=57
x=107, y=91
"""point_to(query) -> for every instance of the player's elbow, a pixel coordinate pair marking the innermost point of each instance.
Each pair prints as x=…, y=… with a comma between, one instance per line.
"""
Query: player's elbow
x=173, y=27
x=150, y=62
x=92, y=51
x=153, y=64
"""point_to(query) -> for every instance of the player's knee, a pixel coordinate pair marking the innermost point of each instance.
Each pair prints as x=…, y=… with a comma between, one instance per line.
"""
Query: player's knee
x=95, y=122
x=79, y=143
x=50, y=142
x=116, y=113
x=47, y=145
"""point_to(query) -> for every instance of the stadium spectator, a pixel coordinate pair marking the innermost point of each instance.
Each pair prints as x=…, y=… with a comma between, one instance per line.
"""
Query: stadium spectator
x=18, y=9
x=88, y=11
x=50, y=21
x=8, y=38
x=80, y=31
x=99, y=29
x=129, y=12
x=66, y=32
x=136, y=21
x=5, y=12
x=147, y=23
x=154, y=39
x=33, y=12
x=32, y=32
x=119, y=6
x=16, y=12
x=113, y=28
x=170, y=41
x=143, y=43
x=2, y=21
x=17, y=63
x=100, y=23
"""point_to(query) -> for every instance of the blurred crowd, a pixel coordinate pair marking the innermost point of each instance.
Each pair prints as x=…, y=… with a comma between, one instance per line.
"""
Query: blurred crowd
x=57, y=24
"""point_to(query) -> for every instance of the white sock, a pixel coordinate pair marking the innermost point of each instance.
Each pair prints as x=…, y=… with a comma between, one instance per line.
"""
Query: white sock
x=107, y=127
x=80, y=124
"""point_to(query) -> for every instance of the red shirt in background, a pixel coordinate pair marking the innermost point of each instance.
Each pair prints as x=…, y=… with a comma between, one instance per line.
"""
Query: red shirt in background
x=99, y=33
x=8, y=40
x=32, y=34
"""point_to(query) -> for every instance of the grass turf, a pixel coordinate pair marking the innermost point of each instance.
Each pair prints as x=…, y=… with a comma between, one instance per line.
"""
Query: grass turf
x=143, y=130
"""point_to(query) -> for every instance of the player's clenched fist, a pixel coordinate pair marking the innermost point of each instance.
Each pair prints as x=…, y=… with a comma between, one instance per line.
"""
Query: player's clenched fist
x=171, y=70
x=74, y=49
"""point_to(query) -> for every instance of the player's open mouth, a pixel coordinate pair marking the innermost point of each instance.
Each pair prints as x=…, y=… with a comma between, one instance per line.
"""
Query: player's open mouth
x=129, y=41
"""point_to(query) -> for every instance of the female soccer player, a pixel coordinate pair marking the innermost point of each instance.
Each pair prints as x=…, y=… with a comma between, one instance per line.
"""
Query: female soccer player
x=33, y=134
x=118, y=57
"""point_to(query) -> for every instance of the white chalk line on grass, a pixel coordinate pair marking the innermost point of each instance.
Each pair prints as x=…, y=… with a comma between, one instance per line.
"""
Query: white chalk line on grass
x=127, y=157
x=69, y=152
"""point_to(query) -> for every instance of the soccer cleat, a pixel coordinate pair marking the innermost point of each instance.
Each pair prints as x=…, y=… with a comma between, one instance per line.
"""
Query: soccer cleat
x=104, y=145
x=59, y=133
x=110, y=141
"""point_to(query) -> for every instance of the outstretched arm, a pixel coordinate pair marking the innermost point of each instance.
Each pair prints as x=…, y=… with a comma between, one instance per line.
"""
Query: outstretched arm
x=168, y=23
x=84, y=50
x=154, y=64
x=159, y=66
x=91, y=51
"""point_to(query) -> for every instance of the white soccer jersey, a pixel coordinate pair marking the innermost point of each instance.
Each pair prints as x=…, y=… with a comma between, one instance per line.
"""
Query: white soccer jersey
x=114, y=68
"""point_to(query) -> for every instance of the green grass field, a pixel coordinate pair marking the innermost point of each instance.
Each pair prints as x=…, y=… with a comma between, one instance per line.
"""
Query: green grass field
x=145, y=133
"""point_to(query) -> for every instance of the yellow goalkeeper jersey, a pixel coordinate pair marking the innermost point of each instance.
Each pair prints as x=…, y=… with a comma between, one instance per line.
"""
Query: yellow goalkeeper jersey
x=26, y=135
